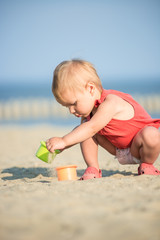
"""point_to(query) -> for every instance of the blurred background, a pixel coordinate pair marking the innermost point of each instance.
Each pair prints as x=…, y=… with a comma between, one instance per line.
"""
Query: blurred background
x=120, y=37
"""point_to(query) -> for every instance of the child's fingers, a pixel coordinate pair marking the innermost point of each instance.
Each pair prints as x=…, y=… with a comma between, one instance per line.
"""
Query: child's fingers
x=50, y=148
x=48, y=145
x=47, y=141
x=55, y=143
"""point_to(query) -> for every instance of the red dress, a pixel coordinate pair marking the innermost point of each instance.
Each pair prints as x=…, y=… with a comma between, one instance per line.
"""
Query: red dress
x=121, y=132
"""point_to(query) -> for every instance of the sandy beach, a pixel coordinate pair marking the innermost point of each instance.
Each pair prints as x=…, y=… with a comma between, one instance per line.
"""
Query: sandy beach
x=34, y=205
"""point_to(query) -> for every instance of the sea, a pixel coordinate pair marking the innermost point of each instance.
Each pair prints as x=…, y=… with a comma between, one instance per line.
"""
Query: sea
x=33, y=89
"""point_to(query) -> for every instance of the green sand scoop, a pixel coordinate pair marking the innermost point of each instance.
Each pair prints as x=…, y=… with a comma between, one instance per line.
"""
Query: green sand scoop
x=44, y=154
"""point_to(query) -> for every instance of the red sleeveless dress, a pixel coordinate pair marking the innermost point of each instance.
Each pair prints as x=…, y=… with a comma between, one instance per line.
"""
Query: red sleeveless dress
x=121, y=132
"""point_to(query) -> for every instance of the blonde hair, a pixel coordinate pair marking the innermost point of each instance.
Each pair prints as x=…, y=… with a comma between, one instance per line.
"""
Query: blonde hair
x=73, y=75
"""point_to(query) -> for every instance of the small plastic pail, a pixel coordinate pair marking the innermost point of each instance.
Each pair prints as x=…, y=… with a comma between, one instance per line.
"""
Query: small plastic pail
x=44, y=154
x=67, y=173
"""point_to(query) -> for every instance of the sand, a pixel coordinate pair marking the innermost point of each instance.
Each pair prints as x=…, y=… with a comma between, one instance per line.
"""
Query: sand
x=35, y=205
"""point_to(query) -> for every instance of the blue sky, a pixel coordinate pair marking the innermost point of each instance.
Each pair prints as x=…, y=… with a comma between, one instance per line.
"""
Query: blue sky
x=120, y=37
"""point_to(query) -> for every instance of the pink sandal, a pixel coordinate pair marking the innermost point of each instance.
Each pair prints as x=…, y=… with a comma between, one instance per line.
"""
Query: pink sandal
x=148, y=169
x=91, y=173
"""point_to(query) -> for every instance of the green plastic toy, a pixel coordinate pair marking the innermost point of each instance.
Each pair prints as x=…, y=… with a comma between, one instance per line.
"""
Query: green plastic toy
x=44, y=154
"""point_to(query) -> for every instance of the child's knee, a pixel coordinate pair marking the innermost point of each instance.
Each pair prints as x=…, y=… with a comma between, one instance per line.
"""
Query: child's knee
x=150, y=137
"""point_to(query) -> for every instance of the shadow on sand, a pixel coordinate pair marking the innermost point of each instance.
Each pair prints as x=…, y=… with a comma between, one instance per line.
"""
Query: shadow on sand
x=20, y=173
x=109, y=173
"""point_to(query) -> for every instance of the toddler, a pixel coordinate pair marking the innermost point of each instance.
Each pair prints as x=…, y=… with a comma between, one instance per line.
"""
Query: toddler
x=109, y=118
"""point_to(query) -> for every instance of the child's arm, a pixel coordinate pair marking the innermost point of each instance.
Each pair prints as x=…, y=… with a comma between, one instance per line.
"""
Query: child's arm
x=105, y=112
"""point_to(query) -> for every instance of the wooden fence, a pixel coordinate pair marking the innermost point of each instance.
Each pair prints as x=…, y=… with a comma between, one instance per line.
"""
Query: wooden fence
x=18, y=109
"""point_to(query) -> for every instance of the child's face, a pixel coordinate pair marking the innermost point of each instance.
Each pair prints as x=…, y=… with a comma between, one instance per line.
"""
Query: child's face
x=79, y=103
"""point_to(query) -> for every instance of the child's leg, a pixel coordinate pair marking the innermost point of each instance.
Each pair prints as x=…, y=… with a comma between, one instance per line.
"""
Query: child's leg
x=146, y=145
x=90, y=149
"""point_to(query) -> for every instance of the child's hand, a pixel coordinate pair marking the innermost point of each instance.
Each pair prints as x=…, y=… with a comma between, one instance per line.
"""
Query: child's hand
x=55, y=143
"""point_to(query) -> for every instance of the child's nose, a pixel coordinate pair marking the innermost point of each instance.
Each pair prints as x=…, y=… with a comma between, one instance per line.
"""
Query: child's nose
x=71, y=109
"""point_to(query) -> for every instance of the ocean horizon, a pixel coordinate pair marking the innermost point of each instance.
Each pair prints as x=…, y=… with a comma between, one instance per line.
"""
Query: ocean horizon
x=35, y=89
x=24, y=91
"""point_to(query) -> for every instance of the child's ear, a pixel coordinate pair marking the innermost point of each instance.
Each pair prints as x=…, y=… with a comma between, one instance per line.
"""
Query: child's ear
x=90, y=87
